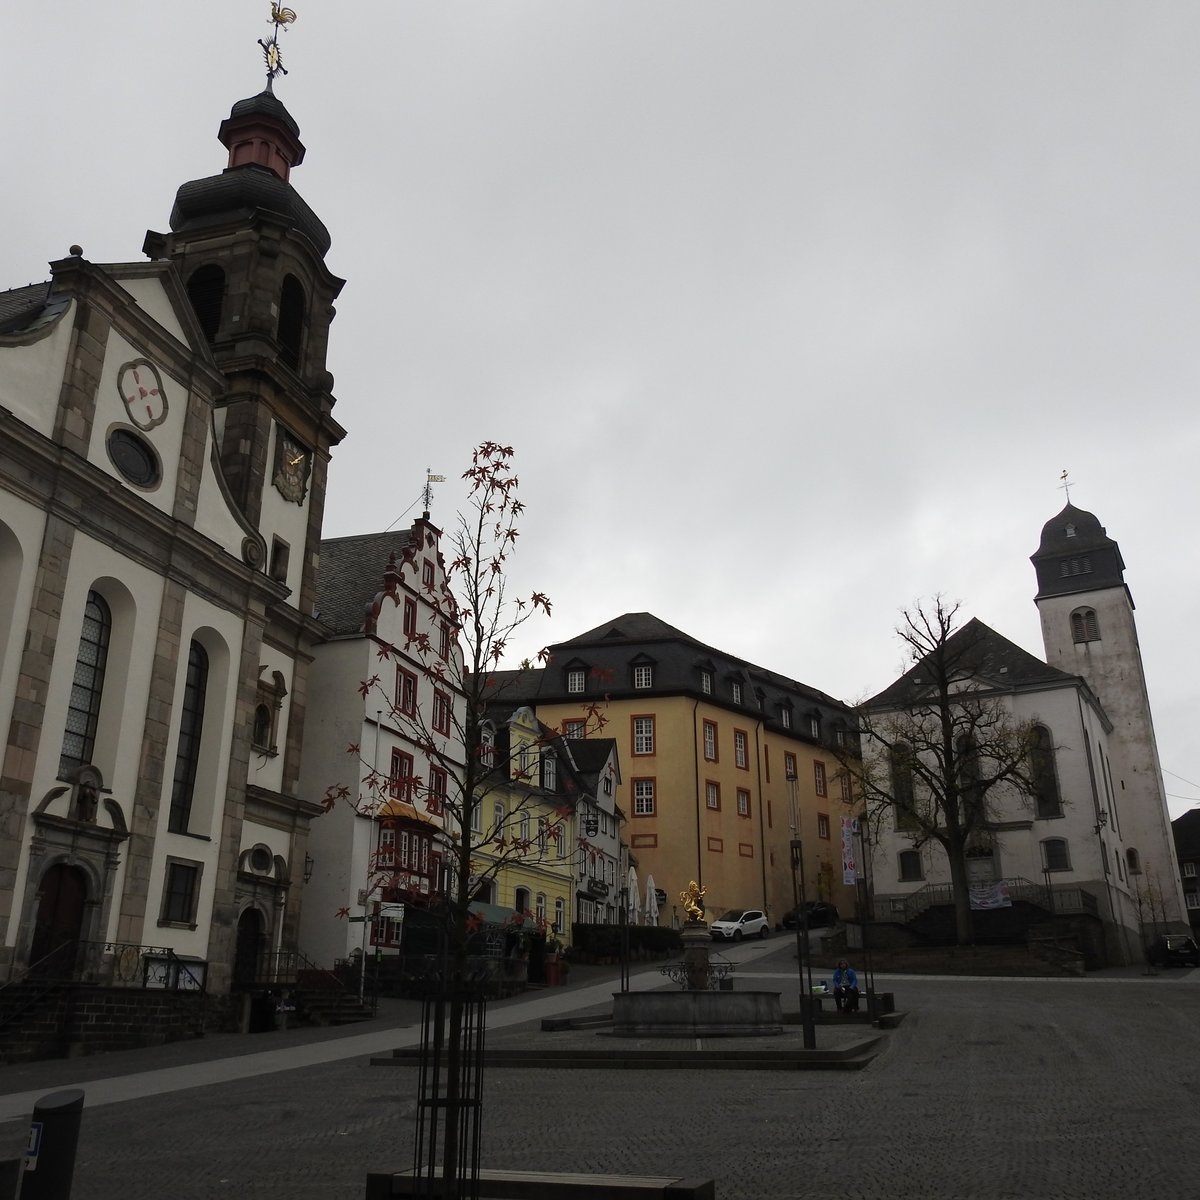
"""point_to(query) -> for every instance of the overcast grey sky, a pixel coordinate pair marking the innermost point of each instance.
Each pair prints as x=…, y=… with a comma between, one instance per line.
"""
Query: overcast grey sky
x=794, y=312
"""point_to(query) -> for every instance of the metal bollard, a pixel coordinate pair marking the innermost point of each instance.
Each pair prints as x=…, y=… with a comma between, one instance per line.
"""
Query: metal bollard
x=49, y=1163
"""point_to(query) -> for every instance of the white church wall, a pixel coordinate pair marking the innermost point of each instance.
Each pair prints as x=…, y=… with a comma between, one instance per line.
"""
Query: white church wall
x=31, y=374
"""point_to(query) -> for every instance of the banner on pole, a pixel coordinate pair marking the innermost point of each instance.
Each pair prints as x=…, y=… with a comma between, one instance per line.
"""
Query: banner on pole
x=849, y=851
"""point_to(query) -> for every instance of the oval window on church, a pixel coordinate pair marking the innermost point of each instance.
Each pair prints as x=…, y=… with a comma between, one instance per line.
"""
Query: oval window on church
x=134, y=458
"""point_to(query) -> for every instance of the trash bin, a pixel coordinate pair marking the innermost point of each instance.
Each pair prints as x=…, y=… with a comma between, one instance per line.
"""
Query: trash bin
x=262, y=1012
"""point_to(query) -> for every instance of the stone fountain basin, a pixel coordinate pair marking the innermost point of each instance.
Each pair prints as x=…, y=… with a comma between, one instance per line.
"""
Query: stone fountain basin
x=697, y=1014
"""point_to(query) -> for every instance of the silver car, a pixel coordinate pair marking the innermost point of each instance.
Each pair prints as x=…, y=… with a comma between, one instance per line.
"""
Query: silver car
x=738, y=923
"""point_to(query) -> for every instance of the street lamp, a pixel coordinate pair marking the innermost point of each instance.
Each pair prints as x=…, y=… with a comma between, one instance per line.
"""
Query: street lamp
x=803, y=958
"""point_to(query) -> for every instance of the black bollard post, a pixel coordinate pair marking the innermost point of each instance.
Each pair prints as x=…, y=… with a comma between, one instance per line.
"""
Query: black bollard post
x=49, y=1163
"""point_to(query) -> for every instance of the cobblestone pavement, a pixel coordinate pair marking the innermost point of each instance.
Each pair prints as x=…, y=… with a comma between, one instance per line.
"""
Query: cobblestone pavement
x=990, y=1089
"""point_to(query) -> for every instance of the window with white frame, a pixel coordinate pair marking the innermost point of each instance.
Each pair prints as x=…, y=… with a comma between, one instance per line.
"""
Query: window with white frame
x=549, y=771
x=823, y=826
x=1192, y=899
x=487, y=746
x=643, y=676
x=814, y=726
x=819, y=783
x=1189, y=870
x=386, y=856
x=706, y=682
x=712, y=794
x=573, y=728
x=441, y=712
x=560, y=915
x=576, y=680
x=497, y=819
x=785, y=716
x=740, y=756
x=710, y=741
x=643, y=735
x=643, y=797
x=743, y=802
x=735, y=690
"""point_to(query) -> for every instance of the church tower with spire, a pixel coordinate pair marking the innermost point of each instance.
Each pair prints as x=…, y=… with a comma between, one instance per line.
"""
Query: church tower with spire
x=1088, y=629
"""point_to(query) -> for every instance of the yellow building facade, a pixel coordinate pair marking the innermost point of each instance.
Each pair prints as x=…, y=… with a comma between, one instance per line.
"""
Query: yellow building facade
x=723, y=764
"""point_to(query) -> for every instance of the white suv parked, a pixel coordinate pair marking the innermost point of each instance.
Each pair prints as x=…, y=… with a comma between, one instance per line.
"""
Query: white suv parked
x=738, y=923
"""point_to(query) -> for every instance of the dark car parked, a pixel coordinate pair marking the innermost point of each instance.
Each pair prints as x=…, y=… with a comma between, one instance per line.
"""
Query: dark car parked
x=820, y=915
x=1174, y=950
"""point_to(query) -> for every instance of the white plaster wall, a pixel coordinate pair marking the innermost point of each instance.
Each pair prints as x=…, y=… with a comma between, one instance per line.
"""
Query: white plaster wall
x=111, y=411
x=204, y=621
x=31, y=376
x=285, y=519
x=151, y=296
x=127, y=683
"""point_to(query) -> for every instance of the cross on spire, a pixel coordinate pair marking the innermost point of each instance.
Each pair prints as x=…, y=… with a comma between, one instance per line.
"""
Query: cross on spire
x=1066, y=485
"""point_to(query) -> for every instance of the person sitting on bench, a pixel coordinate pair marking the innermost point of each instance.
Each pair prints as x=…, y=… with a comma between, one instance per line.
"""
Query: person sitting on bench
x=845, y=988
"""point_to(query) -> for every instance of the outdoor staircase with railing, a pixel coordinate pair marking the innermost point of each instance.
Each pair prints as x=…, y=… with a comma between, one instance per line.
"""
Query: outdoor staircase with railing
x=313, y=993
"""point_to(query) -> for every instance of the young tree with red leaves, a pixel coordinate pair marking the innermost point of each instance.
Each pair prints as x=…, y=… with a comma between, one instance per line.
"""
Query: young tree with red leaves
x=479, y=616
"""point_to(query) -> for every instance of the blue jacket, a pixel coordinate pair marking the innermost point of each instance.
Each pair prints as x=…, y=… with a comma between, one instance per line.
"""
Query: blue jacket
x=846, y=978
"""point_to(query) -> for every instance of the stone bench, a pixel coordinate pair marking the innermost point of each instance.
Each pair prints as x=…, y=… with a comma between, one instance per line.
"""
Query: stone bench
x=549, y=1185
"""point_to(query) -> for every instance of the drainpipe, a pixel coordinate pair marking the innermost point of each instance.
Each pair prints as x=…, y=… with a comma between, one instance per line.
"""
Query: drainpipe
x=696, y=774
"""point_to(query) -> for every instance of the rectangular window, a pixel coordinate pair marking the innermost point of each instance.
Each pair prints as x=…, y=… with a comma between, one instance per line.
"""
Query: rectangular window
x=549, y=772
x=743, y=802
x=1192, y=899
x=814, y=727
x=401, y=780
x=785, y=716
x=410, y=617
x=643, y=735
x=1189, y=870
x=710, y=741
x=573, y=729
x=910, y=866
x=406, y=692
x=427, y=575
x=576, y=680
x=823, y=826
x=643, y=797
x=441, y=712
x=789, y=766
x=736, y=691
x=643, y=676
x=444, y=643
x=180, y=892
x=819, y=779
x=847, y=789
x=386, y=854
x=706, y=682
x=712, y=794
x=741, y=758
x=437, y=794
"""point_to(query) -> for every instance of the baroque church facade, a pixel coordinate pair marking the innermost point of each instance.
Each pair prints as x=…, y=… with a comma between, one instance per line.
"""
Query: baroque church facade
x=165, y=430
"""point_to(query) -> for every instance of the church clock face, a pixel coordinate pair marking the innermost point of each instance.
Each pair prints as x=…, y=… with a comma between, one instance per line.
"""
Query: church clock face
x=142, y=392
x=292, y=463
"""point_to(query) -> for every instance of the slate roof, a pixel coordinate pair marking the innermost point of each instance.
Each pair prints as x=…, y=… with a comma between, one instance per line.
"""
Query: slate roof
x=1076, y=555
x=983, y=654
x=609, y=651
x=350, y=575
x=25, y=308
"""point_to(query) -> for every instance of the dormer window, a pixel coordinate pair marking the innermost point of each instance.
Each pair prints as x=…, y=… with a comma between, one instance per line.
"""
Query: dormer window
x=814, y=726
x=549, y=772
x=643, y=676
x=576, y=679
x=706, y=682
x=736, y=690
x=785, y=716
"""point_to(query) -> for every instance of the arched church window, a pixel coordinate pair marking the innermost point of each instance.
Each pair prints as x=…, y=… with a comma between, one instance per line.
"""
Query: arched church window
x=1084, y=625
x=206, y=291
x=1133, y=864
x=900, y=764
x=83, y=710
x=191, y=722
x=1043, y=773
x=291, y=320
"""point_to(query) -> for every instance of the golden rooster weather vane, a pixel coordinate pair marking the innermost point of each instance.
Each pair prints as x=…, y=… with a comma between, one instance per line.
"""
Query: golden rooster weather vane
x=281, y=18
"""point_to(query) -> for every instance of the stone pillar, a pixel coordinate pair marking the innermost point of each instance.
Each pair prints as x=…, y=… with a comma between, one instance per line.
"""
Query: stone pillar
x=696, y=942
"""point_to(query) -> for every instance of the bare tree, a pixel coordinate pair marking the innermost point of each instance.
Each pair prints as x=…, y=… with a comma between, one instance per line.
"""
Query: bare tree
x=473, y=618
x=940, y=749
